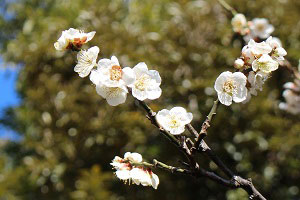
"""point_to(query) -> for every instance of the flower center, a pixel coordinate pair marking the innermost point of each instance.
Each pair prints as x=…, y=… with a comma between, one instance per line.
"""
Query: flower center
x=174, y=122
x=142, y=82
x=229, y=86
x=116, y=73
x=260, y=27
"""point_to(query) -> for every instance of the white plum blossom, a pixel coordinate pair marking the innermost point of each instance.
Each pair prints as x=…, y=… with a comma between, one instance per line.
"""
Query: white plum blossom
x=146, y=84
x=113, y=95
x=291, y=95
x=86, y=61
x=292, y=104
x=133, y=157
x=239, y=24
x=73, y=38
x=265, y=64
x=278, y=52
x=231, y=86
x=259, y=48
x=144, y=177
x=253, y=50
x=256, y=81
x=126, y=170
x=123, y=168
x=261, y=28
x=174, y=120
x=110, y=74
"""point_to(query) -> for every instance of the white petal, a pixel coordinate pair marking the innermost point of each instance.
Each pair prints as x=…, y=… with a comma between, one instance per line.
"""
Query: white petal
x=225, y=98
x=105, y=63
x=94, y=51
x=115, y=60
x=241, y=95
x=140, y=68
x=90, y=35
x=178, y=111
x=154, y=180
x=128, y=75
x=154, y=93
x=115, y=100
x=95, y=77
x=140, y=95
x=239, y=78
x=177, y=131
x=155, y=75
x=123, y=174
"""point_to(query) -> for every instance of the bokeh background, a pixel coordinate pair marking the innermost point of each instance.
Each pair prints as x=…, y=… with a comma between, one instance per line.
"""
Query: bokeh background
x=67, y=134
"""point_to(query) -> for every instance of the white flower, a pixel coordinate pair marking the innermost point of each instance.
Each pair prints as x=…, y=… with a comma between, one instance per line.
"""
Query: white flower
x=126, y=170
x=144, y=177
x=261, y=28
x=292, y=104
x=73, y=38
x=253, y=50
x=239, y=63
x=231, y=86
x=239, y=23
x=133, y=157
x=256, y=81
x=146, y=85
x=174, y=120
x=113, y=95
x=86, y=61
x=259, y=48
x=110, y=74
x=123, y=168
x=265, y=64
x=278, y=52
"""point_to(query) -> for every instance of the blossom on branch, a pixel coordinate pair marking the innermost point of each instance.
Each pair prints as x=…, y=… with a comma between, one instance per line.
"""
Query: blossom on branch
x=146, y=84
x=261, y=28
x=291, y=95
x=73, y=39
x=265, y=64
x=110, y=74
x=174, y=120
x=113, y=95
x=231, y=86
x=256, y=81
x=86, y=61
x=239, y=24
x=145, y=177
x=130, y=168
x=278, y=52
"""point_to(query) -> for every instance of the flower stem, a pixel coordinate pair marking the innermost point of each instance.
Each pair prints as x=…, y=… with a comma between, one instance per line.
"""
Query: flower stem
x=228, y=7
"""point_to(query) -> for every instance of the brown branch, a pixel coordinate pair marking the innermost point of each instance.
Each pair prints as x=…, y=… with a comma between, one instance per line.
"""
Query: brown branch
x=195, y=170
x=291, y=69
x=205, y=126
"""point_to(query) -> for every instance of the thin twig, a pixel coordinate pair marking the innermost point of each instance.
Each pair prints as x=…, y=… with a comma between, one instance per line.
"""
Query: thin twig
x=205, y=126
x=228, y=7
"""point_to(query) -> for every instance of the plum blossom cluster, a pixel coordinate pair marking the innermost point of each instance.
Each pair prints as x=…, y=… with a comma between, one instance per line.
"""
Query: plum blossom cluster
x=257, y=61
x=112, y=81
x=258, y=28
x=130, y=169
x=291, y=95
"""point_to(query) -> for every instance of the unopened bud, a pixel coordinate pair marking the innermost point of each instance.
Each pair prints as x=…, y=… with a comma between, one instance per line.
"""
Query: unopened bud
x=239, y=63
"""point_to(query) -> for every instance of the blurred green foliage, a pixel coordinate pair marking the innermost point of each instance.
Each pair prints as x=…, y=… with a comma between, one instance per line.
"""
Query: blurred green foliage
x=70, y=134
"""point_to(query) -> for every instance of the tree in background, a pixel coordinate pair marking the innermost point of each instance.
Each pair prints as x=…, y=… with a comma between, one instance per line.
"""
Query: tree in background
x=70, y=134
